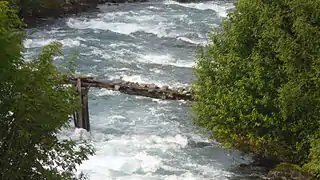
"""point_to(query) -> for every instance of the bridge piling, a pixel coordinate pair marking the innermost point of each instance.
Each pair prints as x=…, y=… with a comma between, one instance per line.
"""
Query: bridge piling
x=81, y=117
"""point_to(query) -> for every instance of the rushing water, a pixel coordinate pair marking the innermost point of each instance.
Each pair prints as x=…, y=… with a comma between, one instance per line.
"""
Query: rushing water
x=155, y=42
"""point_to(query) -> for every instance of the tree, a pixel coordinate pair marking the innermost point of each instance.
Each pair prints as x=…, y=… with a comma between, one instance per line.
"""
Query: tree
x=34, y=106
x=257, y=86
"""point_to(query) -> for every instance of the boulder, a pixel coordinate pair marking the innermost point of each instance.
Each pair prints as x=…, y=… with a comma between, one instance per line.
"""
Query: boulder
x=117, y=81
x=117, y=87
x=164, y=88
x=153, y=86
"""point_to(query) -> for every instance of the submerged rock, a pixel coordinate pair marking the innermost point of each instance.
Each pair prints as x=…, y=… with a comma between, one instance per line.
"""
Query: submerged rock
x=164, y=88
x=198, y=144
x=153, y=86
x=285, y=171
x=117, y=87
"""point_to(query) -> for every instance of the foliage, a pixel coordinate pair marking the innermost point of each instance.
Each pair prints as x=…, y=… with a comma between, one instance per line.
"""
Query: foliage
x=35, y=7
x=313, y=165
x=257, y=86
x=34, y=106
x=289, y=171
x=288, y=167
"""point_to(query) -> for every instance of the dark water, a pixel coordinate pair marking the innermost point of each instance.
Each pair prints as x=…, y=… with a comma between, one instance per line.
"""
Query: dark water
x=136, y=137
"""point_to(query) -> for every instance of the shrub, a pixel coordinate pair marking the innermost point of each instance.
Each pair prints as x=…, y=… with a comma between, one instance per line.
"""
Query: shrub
x=257, y=86
x=34, y=107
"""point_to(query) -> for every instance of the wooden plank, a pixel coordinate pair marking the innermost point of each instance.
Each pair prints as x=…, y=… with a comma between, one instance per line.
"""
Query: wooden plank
x=148, y=90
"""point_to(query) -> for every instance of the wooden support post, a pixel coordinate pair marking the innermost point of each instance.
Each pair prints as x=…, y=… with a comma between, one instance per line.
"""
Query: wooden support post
x=75, y=118
x=85, y=109
x=81, y=117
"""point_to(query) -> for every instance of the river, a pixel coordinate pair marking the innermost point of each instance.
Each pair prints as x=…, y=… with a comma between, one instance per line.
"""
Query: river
x=154, y=42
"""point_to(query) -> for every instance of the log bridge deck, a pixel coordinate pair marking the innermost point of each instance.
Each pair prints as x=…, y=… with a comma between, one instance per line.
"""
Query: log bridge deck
x=81, y=117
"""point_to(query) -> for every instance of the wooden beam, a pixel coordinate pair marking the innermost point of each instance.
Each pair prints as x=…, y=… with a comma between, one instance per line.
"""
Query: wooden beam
x=81, y=117
x=148, y=90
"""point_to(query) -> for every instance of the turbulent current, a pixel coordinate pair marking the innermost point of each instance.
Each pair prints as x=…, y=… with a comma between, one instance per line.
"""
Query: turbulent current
x=154, y=42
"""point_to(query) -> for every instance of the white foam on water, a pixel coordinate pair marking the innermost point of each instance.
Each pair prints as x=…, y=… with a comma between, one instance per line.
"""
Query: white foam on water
x=106, y=92
x=161, y=101
x=192, y=41
x=58, y=58
x=87, y=74
x=148, y=163
x=80, y=39
x=94, y=51
x=122, y=44
x=154, y=141
x=117, y=69
x=184, y=176
x=127, y=154
x=116, y=14
x=159, y=29
x=156, y=70
x=81, y=134
x=153, y=8
x=121, y=55
x=33, y=43
x=70, y=42
x=131, y=144
x=133, y=78
x=133, y=16
x=97, y=52
x=211, y=5
x=96, y=60
x=122, y=28
x=210, y=171
x=164, y=59
x=143, y=79
x=144, y=18
x=56, y=31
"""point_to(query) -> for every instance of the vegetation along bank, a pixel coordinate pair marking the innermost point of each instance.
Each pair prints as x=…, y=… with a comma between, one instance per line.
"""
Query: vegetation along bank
x=259, y=79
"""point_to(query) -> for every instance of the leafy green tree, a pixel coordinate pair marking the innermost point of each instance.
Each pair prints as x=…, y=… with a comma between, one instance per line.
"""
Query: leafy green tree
x=314, y=158
x=34, y=107
x=258, y=82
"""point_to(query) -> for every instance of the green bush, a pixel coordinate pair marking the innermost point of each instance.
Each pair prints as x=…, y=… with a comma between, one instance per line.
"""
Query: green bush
x=313, y=165
x=258, y=82
x=289, y=171
x=34, y=107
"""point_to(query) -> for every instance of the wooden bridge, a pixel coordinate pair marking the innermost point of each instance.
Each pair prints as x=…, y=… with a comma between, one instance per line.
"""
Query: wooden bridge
x=81, y=117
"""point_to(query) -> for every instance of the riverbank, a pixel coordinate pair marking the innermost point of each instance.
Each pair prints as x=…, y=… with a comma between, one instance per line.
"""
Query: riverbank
x=33, y=13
